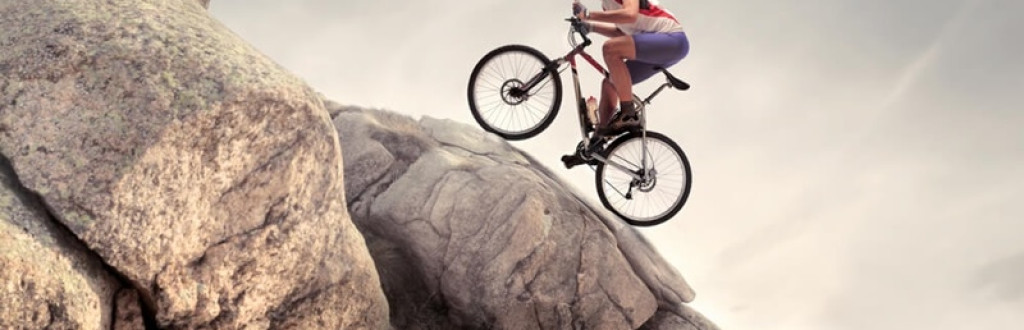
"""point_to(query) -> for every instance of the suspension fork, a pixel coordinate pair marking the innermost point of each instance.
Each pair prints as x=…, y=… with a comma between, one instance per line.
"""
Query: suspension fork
x=643, y=138
x=551, y=68
x=643, y=127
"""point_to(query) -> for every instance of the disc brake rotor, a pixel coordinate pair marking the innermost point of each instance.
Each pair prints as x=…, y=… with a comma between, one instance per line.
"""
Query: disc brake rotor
x=648, y=182
x=512, y=92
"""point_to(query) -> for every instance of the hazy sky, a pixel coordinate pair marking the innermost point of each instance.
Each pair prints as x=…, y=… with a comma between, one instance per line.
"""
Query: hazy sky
x=856, y=162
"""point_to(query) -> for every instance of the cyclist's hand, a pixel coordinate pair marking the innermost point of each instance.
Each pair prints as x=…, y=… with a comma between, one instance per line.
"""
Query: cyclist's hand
x=579, y=10
x=584, y=28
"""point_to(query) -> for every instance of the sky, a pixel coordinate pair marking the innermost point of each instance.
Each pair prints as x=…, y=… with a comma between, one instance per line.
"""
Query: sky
x=856, y=162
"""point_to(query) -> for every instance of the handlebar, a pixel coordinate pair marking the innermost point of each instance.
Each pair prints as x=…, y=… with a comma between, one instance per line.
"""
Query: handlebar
x=579, y=28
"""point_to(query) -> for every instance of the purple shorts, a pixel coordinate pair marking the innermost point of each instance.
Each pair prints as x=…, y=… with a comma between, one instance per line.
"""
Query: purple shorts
x=655, y=50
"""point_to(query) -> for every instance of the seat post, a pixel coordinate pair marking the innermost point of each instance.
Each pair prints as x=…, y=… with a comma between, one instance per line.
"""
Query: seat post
x=656, y=92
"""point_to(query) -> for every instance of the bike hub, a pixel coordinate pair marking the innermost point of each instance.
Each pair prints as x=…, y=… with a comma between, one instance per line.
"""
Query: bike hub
x=512, y=92
x=648, y=181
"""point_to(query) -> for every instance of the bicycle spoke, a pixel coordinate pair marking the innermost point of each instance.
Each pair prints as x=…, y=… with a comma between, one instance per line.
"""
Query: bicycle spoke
x=519, y=66
x=512, y=65
x=518, y=114
x=532, y=112
x=494, y=105
x=510, y=117
x=525, y=67
x=494, y=115
x=492, y=86
x=504, y=68
x=495, y=76
x=617, y=191
x=663, y=201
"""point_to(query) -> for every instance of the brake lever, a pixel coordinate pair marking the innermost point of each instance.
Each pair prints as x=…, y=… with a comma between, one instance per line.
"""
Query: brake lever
x=577, y=26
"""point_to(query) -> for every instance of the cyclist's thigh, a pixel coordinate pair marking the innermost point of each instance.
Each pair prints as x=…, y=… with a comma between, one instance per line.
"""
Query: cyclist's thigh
x=664, y=49
x=640, y=71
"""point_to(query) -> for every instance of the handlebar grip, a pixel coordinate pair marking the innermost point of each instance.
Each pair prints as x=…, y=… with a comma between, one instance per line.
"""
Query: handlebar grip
x=577, y=25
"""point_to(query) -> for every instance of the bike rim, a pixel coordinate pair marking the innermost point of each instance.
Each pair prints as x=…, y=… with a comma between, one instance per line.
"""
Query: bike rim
x=652, y=198
x=500, y=99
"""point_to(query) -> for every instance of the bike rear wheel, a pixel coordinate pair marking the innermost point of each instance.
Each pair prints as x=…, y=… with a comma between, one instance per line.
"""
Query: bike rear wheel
x=498, y=95
x=663, y=186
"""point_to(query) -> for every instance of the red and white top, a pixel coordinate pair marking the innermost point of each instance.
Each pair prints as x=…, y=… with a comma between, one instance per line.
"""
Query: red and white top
x=654, y=19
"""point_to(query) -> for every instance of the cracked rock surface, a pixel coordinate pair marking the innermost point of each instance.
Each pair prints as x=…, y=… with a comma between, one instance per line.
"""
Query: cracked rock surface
x=47, y=279
x=198, y=170
x=468, y=232
x=680, y=317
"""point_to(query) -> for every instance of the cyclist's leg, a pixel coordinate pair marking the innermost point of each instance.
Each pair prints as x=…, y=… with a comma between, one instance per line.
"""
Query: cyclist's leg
x=658, y=50
x=640, y=71
x=616, y=51
x=609, y=102
x=651, y=50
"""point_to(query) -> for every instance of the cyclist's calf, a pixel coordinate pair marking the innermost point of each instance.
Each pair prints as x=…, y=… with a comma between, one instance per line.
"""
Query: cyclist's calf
x=609, y=101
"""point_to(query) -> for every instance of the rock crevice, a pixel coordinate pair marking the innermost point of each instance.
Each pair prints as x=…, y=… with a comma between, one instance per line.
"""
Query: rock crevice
x=49, y=278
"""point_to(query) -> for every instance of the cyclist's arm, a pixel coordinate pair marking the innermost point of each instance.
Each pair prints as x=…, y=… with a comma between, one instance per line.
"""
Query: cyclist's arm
x=605, y=29
x=628, y=13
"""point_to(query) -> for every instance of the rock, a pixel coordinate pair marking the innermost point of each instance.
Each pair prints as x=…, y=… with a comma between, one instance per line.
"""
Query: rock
x=127, y=311
x=205, y=3
x=467, y=231
x=197, y=169
x=680, y=317
x=47, y=279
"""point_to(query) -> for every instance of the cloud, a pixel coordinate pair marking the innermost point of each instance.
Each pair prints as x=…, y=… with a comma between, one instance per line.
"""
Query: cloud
x=912, y=72
x=1002, y=280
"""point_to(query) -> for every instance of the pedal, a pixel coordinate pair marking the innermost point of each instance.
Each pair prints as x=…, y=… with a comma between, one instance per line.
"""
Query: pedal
x=571, y=161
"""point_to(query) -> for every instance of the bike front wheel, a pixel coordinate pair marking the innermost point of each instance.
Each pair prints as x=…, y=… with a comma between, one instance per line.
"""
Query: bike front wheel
x=514, y=92
x=644, y=191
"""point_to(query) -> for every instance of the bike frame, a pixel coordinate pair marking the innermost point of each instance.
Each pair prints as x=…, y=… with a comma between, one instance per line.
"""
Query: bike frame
x=556, y=67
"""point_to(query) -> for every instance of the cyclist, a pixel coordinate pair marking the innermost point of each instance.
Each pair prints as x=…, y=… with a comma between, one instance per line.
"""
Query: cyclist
x=642, y=36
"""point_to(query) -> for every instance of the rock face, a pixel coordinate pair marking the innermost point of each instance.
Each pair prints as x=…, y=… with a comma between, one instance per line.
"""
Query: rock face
x=469, y=232
x=47, y=279
x=680, y=317
x=198, y=171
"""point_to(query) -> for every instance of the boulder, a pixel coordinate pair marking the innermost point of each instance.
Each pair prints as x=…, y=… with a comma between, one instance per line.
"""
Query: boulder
x=197, y=169
x=47, y=278
x=469, y=232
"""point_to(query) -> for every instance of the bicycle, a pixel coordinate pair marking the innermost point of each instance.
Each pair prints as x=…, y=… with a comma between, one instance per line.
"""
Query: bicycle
x=641, y=176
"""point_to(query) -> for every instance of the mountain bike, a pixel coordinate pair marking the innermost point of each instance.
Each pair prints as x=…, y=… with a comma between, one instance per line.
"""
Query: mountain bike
x=641, y=176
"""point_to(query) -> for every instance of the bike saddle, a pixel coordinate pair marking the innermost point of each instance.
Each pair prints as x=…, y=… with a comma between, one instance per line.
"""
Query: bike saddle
x=676, y=82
